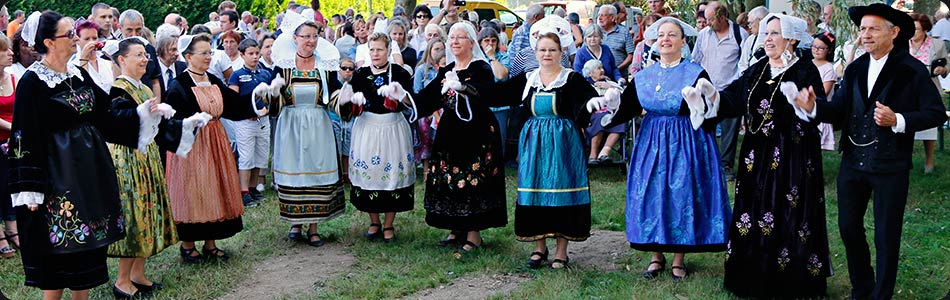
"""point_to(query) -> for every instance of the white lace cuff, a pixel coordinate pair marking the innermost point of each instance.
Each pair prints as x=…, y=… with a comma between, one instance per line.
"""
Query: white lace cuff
x=27, y=198
x=696, y=106
x=148, y=126
x=901, y=125
x=188, y=132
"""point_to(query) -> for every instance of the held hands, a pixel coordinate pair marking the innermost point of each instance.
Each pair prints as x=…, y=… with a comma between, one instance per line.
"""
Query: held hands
x=359, y=99
x=197, y=120
x=883, y=115
x=451, y=82
x=703, y=86
x=805, y=99
x=696, y=106
x=610, y=100
x=276, y=85
x=393, y=90
x=346, y=94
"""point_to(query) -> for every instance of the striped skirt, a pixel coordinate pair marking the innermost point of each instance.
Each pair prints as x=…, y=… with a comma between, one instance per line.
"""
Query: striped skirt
x=305, y=205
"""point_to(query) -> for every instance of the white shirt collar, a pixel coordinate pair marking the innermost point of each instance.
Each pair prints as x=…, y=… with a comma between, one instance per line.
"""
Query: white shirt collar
x=135, y=82
x=874, y=70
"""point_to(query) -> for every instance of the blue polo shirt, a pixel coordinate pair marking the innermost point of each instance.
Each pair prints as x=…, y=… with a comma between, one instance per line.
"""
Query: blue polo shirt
x=247, y=80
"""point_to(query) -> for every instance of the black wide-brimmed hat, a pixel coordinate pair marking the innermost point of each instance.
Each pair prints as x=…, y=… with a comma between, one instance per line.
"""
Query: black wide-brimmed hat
x=900, y=19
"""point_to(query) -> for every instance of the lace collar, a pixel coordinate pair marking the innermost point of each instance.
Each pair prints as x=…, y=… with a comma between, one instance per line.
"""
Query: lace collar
x=776, y=71
x=53, y=78
x=534, y=81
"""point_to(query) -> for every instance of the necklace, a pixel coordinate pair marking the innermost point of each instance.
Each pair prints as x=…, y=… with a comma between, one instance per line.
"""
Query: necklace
x=766, y=116
x=304, y=57
x=662, y=70
x=196, y=73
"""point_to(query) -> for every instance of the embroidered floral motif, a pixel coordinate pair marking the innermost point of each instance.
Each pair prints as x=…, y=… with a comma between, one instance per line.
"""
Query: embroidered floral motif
x=18, y=151
x=767, y=223
x=765, y=109
x=776, y=158
x=728, y=249
x=379, y=81
x=744, y=224
x=389, y=167
x=804, y=233
x=65, y=225
x=767, y=127
x=81, y=100
x=749, y=161
x=783, y=259
x=792, y=196
x=814, y=266
x=375, y=160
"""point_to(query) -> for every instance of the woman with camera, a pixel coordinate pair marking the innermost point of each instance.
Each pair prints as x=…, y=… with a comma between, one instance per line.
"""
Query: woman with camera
x=102, y=71
x=933, y=54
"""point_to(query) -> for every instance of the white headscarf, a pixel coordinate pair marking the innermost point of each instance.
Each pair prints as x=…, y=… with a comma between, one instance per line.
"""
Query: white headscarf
x=554, y=24
x=793, y=28
x=477, y=53
x=652, y=32
x=29, y=28
x=284, y=50
x=183, y=43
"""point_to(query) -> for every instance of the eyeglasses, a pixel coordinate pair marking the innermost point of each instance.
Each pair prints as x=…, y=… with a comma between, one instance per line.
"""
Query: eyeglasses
x=204, y=53
x=68, y=35
x=458, y=38
x=308, y=37
x=347, y=68
x=423, y=17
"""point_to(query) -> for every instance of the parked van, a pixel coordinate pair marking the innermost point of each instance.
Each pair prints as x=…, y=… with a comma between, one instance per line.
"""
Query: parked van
x=486, y=10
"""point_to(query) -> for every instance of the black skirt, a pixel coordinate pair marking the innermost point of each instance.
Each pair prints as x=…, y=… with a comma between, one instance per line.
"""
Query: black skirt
x=190, y=232
x=371, y=201
x=534, y=223
x=78, y=270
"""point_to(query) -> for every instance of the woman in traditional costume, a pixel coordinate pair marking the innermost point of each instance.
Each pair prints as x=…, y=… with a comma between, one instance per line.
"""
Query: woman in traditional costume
x=204, y=188
x=676, y=193
x=465, y=190
x=778, y=240
x=553, y=189
x=383, y=172
x=149, y=224
x=306, y=163
x=62, y=177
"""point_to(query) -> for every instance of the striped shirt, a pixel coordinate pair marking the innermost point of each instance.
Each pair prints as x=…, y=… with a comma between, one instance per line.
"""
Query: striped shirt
x=620, y=43
x=719, y=56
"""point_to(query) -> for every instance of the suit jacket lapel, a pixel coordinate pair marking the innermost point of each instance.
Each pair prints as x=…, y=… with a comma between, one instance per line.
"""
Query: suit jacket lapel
x=887, y=74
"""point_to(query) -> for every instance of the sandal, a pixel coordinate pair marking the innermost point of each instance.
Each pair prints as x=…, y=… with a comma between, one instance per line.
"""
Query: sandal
x=215, y=253
x=560, y=263
x=536, y=263
x=374, y=235
x=294, y=235
x=462, y=252
x=650, y=274
x=188, y=258
x=313, y=243
x=10, y=236
x=7, y=252
x=678, y=278
x=389, y=240
x=453, y=240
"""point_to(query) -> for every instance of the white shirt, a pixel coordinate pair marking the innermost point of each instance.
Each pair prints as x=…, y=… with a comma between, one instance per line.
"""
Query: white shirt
x=220, y=62
x=165, y=76
x=236, y=64
x=941, y=30
x=874, y=70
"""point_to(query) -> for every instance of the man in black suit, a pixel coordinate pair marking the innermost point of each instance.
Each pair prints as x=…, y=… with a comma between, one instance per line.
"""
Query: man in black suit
x=885, y=96
x=168, y=64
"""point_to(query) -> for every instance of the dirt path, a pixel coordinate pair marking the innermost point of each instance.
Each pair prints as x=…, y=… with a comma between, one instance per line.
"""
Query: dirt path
x=473, y=287
x=602, y=251
x=293, y=274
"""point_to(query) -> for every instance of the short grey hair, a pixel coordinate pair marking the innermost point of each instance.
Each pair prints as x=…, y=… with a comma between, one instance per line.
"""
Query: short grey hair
x=131, y=15
x=592, y=29
x=246, y=13
x=560, y=12
x=590, y=66
x=534, y=11
x=611, y=10
x=758, y=13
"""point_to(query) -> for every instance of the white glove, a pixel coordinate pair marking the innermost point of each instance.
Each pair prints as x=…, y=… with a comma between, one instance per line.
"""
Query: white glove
x=451, y=82
x=596, y=103
x=262, y=90
x=393, y=90
x=790, y=90
x=706, y=88
x=696, y=106
x=359, y=99
x=613, y=99
x=165, y=110
x=276, y=85
x=197, y=120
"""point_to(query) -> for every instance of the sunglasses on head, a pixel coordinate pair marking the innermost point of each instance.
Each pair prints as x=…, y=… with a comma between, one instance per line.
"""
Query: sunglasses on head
x=347, y=68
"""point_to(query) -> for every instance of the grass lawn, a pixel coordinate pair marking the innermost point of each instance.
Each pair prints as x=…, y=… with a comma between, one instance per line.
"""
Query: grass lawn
x=414, y=262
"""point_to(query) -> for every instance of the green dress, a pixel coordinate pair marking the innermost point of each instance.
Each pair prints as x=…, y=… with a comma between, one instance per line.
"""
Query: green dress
x=144, y=195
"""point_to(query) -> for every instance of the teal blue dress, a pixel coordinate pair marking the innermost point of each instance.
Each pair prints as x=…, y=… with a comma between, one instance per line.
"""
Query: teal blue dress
x=553, y=188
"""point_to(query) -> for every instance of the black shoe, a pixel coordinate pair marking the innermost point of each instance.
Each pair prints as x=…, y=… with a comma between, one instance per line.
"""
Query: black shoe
x=374, y=235
x=294, y=235
x=313, y=243
x=215, y=253
x=454, y=240
x=462, y=252
x=537, y=263
x=120, y=295
x=678, y=278
x=248, y=201
x=650, y=274
x=560, y=263
x=149, y=289
x=257, y=195
x=389, y=240
x=188, y=258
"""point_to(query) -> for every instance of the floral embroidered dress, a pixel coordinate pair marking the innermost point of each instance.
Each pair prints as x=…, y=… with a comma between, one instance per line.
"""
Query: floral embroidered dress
x=58, y=149
x=146, y=206
x=382, y=170
x=778, y=240
x=465, y=190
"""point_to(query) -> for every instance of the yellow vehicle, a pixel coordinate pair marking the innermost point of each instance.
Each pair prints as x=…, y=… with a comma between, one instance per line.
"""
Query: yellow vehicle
x=486, y=10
